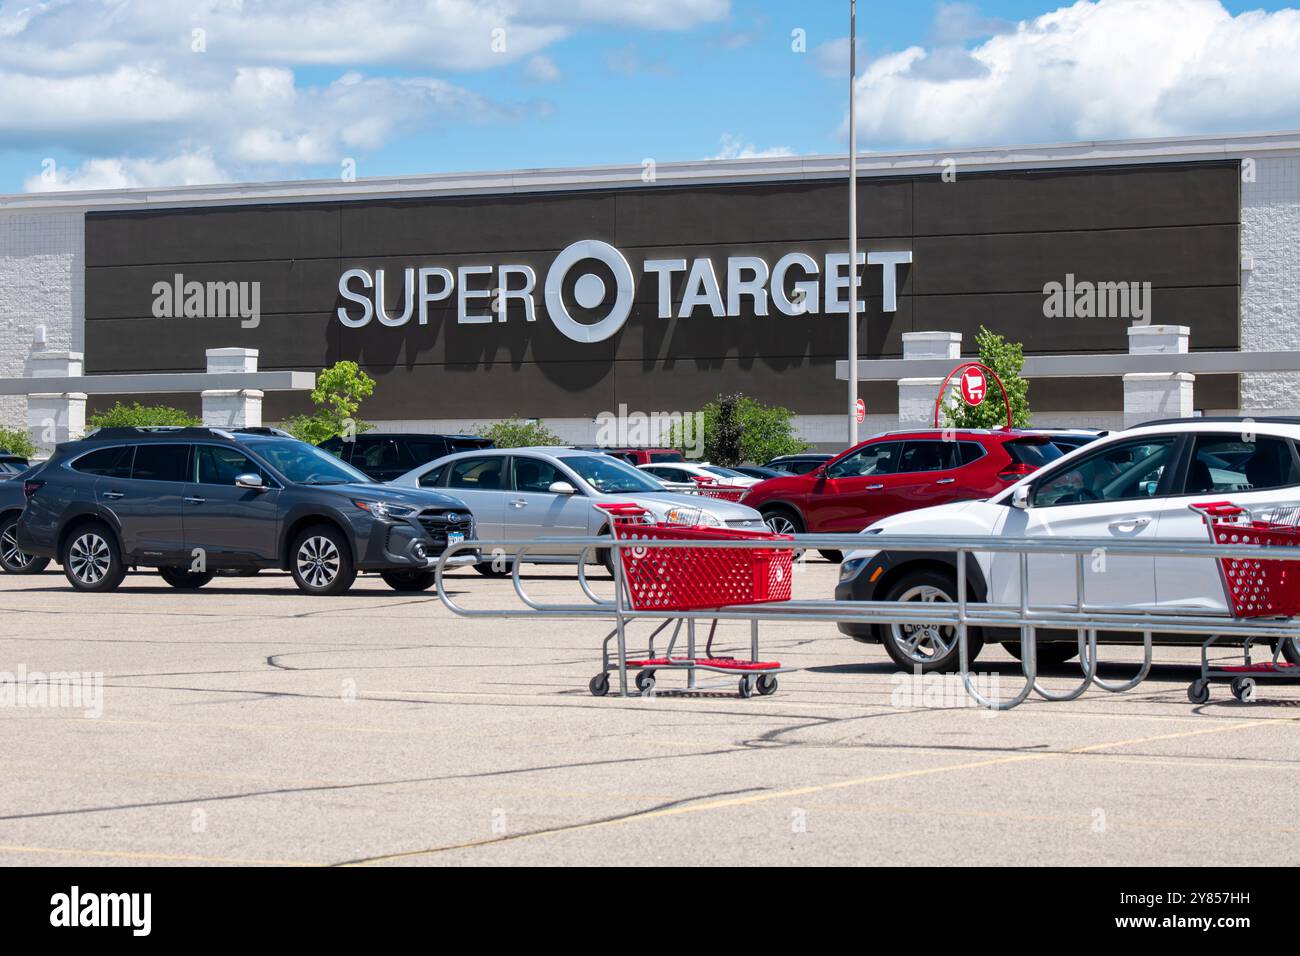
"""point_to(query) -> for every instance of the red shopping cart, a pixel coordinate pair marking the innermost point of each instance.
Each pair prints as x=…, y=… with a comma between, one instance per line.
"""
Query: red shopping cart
x=710, y=488
x=657, y=578
x=1253, y=588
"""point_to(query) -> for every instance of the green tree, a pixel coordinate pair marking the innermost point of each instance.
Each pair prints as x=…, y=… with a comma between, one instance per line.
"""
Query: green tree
x=764, y=432
x=518, y=433
x=140, y=416
x=1006, y=359
x=17, y=441
x=339, y=392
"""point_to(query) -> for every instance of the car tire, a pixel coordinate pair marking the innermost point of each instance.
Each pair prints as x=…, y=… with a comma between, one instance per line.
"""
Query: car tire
x=13, y=561
x=834, y=557
x=409, y=580
x=321, y=561
x=92, y=558
x=1290, y=647
x=1048, y=653
x=934, y=648
x=783, y=521
x=489, y=569
x=186, y=580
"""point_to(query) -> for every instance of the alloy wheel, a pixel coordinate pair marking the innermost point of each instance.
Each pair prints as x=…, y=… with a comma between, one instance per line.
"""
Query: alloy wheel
x=89, y=558
x=780, y=524
x=9, y=552
x=923, y=643
x=318, y=561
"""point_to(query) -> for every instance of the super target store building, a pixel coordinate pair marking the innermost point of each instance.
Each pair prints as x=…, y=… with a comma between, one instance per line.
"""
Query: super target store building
x=562, y=294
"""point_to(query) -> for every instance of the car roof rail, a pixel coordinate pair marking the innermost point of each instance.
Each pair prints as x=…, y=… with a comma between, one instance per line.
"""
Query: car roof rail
x=261, y=430
x=1268, y=419
x=158, y=431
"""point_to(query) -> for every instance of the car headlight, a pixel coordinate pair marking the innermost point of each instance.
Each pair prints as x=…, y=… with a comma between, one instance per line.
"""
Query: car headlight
x=384, y=509
x=850, y=568
x=690, y=516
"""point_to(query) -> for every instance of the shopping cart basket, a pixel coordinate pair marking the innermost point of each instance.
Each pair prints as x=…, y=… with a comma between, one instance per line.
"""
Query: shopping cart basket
x=695, y=579
x=1253, y=588
x=710, y=488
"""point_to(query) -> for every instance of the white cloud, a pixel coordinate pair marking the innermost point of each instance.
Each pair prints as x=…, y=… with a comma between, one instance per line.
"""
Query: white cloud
x=733, y=147
x=542, y=69
x=187, y=169
x=1106, y=69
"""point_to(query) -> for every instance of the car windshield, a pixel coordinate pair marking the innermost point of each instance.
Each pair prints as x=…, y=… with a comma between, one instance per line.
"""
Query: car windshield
x=304, y=464
x=609, y=475
x=722, y=472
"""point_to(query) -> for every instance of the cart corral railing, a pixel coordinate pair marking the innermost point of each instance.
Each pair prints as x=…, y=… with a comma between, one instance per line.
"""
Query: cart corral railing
x=1083, y=616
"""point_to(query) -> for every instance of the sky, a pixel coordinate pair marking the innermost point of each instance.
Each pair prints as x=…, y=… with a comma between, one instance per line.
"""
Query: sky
x=114, y=93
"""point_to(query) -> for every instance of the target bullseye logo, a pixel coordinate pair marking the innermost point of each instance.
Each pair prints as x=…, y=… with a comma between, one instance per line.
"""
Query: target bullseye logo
x=589, y=291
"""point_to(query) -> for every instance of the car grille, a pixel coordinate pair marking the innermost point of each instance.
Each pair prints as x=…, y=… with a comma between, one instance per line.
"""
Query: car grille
x=747, y=524
x=438, y=522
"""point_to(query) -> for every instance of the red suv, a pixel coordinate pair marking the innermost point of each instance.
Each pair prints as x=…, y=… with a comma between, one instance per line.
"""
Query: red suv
x=898, y=471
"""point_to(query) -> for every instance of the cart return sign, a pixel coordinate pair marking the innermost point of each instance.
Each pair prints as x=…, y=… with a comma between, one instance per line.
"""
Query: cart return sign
x=796, y=284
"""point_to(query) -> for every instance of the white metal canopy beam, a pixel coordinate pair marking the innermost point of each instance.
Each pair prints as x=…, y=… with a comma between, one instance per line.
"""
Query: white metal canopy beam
x=1082, y=366
x=159, y=382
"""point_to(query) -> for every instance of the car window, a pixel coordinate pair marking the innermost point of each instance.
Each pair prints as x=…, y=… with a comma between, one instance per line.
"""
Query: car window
x=874, y=459
x=970, y=451
x=1121, y=472
x=800, y=466
x=434, y=477
x=928, y=456
x=1225, y=463
x=534, y=475
x=418, y=452
x=108, y=462
x=1033, y=453
x=722, y=472
x=477, y=474
x=665, y=456
x=376, y=453
x=161, y=462
x=303, y=464
x=611, y=476
x=218, y=465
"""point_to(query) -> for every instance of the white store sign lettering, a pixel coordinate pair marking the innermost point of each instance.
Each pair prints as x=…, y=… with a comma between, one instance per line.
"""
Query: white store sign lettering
x=479, y=302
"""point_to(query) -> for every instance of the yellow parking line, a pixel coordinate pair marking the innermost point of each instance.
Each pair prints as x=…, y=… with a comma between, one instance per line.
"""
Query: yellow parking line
x=161, y=857
x=818, y=788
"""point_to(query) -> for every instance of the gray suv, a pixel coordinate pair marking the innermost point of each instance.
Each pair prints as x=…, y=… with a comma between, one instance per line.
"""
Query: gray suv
x=195, y=501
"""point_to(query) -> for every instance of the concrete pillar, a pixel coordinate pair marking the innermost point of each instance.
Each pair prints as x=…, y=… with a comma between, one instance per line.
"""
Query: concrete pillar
x=232, y=408
x=1151, y=395
x=54, y=417
x=916, y=396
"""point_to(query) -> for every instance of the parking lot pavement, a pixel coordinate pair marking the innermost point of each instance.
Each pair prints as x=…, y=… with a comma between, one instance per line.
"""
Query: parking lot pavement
x=246, y=723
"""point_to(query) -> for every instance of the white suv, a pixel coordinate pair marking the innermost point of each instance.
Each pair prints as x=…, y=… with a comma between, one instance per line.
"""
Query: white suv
x=1130, y=485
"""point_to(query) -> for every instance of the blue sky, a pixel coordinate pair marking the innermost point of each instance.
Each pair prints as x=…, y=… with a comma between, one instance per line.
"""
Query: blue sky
x=158, y=92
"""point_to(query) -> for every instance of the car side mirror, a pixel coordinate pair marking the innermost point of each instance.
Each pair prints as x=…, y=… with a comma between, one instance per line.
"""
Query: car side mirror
x=1020, y=497
x=251, y=481
x=562, y=488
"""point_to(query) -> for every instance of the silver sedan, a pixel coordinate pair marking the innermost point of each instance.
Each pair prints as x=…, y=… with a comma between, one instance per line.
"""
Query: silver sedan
x=552, y=493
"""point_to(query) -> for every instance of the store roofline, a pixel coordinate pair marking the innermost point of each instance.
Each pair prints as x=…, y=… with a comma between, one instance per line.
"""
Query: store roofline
x=762, y=169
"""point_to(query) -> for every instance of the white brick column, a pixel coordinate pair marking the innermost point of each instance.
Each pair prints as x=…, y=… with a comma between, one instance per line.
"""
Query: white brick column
x=232, y=408
x=54, y=417
x=916, y=396
x=1149, y=395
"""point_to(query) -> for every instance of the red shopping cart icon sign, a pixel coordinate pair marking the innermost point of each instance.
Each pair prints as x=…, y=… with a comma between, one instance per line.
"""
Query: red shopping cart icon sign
x=974, y=385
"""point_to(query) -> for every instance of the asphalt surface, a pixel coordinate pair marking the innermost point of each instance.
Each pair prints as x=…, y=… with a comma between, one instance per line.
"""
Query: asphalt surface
x=246, y=723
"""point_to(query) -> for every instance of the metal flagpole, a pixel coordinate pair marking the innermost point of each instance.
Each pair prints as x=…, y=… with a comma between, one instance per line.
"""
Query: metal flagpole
x=853, y=226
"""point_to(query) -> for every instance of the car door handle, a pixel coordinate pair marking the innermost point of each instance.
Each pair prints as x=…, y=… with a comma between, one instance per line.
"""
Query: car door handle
x=114, y=495
x=945, y=481
x=195, y=501
x=874, y=487
x=1125, y=525
x=519, y=503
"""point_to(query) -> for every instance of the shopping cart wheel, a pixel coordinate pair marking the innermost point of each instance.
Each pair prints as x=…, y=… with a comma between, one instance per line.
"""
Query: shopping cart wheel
x=1243, y=688
x=766, y=685
x=599, y=685
x=1198, y=691
x=746, y=687
x=645, y=679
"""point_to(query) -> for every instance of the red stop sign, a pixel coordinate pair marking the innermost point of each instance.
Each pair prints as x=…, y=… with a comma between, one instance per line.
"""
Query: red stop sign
x=974, y=386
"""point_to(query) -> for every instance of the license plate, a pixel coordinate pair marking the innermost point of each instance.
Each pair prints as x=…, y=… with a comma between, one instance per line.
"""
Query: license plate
x=454, y=537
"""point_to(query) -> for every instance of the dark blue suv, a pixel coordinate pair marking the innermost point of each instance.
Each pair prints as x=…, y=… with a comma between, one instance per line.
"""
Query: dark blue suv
x=195, y=501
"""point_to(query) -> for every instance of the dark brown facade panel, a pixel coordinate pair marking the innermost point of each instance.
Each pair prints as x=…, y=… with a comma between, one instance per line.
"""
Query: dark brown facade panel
x=213, y=234
x=1190, y=256
x=1078, y=199
x=1210, y=313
